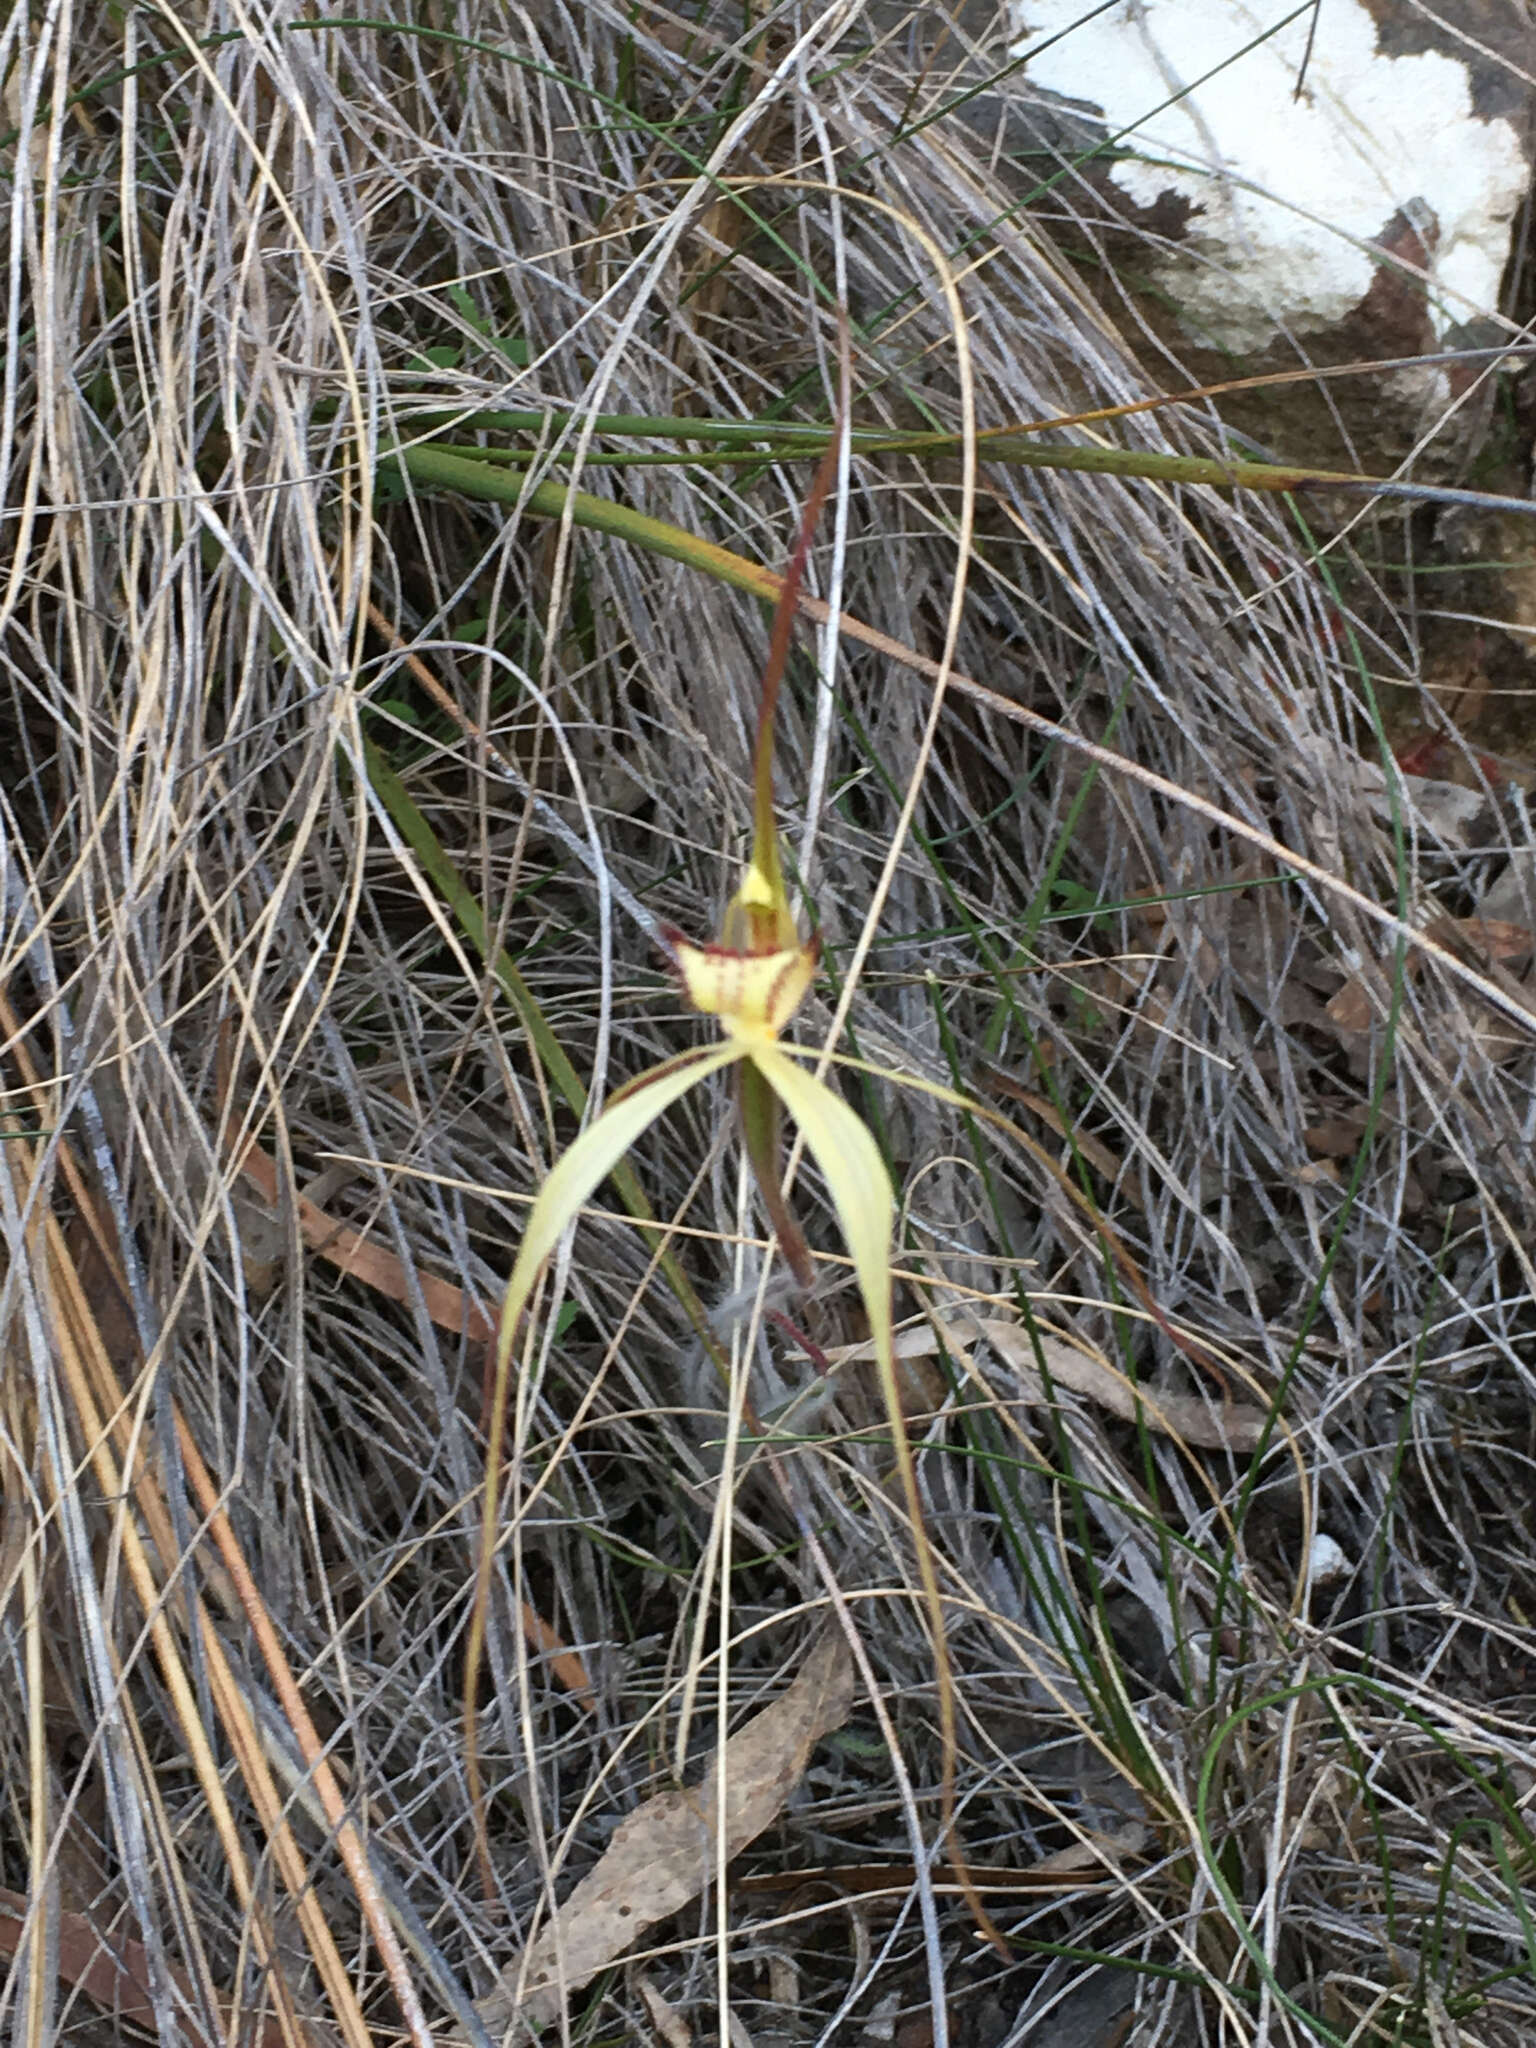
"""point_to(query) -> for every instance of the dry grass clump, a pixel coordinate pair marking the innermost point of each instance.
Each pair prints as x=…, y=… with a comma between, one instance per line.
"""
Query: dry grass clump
x=1222, y=1781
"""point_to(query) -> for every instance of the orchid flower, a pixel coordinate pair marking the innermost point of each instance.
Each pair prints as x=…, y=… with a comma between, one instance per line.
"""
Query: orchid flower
x=752, y=981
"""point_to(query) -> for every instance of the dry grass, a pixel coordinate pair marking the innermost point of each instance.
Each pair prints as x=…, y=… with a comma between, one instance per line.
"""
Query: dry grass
x=1281, y=1811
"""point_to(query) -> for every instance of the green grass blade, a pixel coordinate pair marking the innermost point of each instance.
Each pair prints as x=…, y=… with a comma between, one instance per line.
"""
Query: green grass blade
x=476, y=472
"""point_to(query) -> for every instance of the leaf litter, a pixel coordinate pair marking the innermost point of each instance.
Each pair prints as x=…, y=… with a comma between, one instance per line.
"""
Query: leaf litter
x=665, y=1853
x=1043, y=1361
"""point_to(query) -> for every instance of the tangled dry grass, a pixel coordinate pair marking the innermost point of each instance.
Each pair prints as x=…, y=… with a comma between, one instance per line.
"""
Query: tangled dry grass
x=1222, y=1781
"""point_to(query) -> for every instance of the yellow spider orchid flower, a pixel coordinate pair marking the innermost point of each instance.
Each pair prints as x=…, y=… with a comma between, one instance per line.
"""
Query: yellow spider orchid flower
x=753, y=981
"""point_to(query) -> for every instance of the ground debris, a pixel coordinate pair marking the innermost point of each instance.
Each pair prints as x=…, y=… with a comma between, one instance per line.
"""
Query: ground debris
x=664, y=1854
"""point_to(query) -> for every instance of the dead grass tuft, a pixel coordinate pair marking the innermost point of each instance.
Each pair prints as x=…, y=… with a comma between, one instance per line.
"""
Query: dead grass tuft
x=1247, y=1708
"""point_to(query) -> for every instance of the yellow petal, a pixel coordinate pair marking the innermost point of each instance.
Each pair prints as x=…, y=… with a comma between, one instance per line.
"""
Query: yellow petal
x=860, y=1188
x=590, y=1160
x=573, y=1177
x=857, y=1181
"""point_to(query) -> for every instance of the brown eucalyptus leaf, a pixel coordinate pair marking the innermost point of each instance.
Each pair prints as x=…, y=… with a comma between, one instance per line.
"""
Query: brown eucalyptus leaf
x=664, y=1854
x=1231, y=1427
x=112, y=1970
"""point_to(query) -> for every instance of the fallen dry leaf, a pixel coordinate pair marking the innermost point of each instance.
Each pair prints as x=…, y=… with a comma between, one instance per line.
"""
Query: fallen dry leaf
x=1490, y=938
x=1491, y=941
x=566, y=1664
x=663, y=1855
x=1351, y=1009
x=1336, y=1137
x=113, y=1972
x=1230, y=1427
x=1073, y=1869
x=668, y=2022
x=351, y=1252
